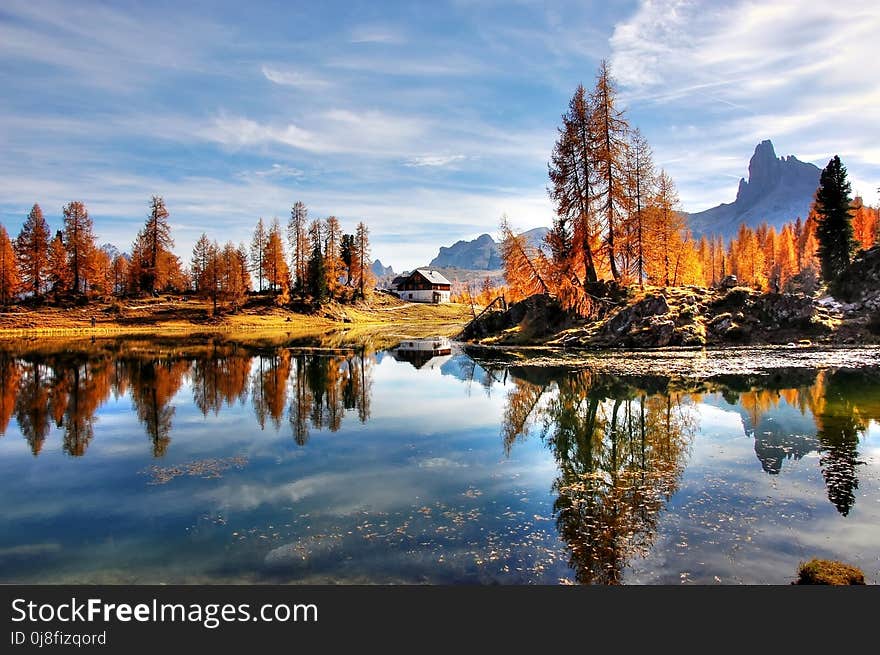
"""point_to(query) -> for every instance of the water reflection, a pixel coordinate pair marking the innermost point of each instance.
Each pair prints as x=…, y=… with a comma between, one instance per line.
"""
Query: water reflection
x=621, y=445
x=618, y=450
x=314, y=389
x=620, y=454
x=836, y=408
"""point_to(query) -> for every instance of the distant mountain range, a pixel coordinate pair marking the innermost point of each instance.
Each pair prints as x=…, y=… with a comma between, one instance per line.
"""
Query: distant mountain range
x=779, y=189
x=482, y=253
x=380, y=270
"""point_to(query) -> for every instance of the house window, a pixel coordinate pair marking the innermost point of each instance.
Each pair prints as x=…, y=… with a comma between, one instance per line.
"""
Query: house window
x=410, y=296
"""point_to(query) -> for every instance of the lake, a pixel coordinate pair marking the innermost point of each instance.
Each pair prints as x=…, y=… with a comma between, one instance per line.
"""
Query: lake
x=217, y=462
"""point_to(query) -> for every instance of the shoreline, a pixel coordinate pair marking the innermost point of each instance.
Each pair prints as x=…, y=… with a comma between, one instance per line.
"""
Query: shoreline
x=680, y=362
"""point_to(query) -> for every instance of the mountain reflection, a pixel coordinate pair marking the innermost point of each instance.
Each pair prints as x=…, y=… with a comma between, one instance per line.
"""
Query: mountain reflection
x=836, y=408
x=621, y=445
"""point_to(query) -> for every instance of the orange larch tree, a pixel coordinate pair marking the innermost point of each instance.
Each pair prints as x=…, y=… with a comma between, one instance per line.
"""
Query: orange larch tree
x=275, y=262
x=59, y=270
x=611, y=191
x=666, y=230
x=32, y=250
x=79, y=242
x=9, y=280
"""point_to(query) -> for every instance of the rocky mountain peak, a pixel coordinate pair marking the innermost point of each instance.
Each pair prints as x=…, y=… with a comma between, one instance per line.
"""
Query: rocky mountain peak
x=764, y=174
x=778, y=190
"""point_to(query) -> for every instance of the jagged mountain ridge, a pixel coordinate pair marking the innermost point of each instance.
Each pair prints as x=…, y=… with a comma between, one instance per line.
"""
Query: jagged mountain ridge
x=779, y=189
x=480, y=254
x=380, y=270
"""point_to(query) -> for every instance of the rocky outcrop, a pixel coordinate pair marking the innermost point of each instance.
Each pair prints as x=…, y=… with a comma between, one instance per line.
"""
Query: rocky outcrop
x=681, y=316
x=536, y=317
x=860, y=282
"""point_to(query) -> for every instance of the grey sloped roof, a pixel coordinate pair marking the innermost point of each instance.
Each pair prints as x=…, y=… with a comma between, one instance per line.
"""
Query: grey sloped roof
x=434, y=277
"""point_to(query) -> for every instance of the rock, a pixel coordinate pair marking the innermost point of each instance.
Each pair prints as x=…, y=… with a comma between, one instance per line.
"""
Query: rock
x=829, y=572
x=727, y=328
x=828, y=302
x=729, y=281
x=690, y=335
x=657, y=333
x=861, y=278
x=721, y=323
x=650, y=305
x=785, y=310
x=663, y=331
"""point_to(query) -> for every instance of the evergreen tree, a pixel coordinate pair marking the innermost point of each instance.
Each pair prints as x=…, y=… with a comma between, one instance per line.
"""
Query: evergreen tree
x=200, y=264
x=59, y=270
x=317, y=276
x=834, y=230
x=296, y=238
x=153, y=245
x=346, y=254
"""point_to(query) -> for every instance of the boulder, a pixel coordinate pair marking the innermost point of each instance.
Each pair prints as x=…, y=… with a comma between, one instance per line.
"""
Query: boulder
x=785, y=310
x=729, y=281
x=651, y=305
x=657, y=333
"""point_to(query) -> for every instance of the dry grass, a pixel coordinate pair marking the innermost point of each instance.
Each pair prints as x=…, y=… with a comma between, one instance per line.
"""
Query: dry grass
x=173, y=317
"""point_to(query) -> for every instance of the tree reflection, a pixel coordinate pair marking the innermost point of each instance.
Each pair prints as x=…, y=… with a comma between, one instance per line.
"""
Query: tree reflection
x=32, y=405
x=269, y=387
x=218, y=378
x=66, y=389
x=620, y=454
x=10, y=373
x=843, y=413
x=324, y=386
x=840, y=404
x=154, y=383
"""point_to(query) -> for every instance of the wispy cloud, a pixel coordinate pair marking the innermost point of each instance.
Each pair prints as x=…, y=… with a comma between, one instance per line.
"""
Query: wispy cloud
x=298, y=79
x=280, y=171
x=791, y=71
x=433, y=160
x=369, y=133
x=377, y=33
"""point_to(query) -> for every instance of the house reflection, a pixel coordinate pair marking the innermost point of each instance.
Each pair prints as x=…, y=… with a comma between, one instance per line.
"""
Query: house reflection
x=424, y=353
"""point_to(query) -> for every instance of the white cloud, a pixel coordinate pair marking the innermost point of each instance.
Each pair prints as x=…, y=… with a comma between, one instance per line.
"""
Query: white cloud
x=792, y=71
x=332, y=132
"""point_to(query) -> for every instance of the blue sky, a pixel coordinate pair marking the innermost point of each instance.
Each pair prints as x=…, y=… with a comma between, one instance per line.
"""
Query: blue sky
x=427, y=120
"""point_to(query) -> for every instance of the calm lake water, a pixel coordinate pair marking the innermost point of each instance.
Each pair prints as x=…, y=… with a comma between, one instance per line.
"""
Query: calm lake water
x=146, y=463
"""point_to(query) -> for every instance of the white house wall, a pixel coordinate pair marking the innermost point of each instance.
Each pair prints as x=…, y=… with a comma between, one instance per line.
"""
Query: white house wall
x=425, y=295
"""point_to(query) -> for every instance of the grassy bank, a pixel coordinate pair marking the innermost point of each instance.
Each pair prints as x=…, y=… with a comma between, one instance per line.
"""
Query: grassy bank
x=259, y=318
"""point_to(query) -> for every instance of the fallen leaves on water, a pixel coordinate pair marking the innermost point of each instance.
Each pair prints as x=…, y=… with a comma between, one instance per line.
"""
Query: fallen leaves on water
x=202, y=468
